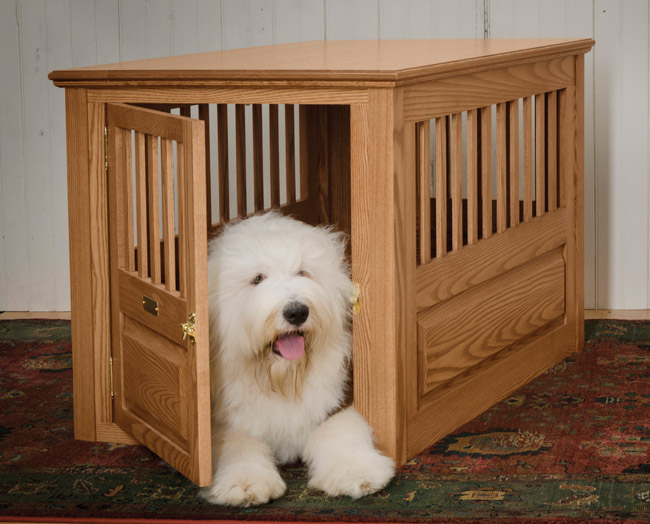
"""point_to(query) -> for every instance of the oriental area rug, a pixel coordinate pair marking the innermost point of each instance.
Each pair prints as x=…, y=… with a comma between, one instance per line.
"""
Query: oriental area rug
x=571, y=446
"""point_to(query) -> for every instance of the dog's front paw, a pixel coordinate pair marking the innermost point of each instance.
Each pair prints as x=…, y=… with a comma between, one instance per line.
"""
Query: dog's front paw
x=353, y=476
x=244, y=487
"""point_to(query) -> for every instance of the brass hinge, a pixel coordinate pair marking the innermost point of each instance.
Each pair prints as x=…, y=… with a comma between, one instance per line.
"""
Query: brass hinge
x=110, y=368
x=106, y=149
x=355, y=299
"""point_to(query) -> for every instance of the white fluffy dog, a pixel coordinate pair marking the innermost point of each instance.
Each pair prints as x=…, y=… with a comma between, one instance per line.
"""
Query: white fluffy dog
x=279, y=304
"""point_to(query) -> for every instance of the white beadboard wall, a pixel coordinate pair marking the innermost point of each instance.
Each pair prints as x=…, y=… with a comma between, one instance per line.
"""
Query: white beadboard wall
x=37, y=36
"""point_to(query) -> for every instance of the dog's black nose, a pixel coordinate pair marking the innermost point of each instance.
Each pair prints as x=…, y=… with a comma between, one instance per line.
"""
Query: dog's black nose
x=296, y=313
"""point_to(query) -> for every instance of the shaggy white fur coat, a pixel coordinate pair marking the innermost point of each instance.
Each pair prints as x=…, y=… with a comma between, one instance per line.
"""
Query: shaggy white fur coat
x=279, y=377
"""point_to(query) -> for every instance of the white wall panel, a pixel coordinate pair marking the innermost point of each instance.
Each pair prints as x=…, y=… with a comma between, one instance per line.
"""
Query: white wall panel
x=56, y=34
x=14, y=278
x=36, y=155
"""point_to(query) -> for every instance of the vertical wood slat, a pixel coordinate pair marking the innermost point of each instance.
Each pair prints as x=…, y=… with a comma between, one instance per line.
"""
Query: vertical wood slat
x=181, y=179
x=240, y=147
x=290, y=147
x=258, y=159
x=167, y=182
x=457, y=181
x=513, y=168
x=441, y=186
x=141, y=200
x=424, y=190
x=486, y=170
x=127, y=188
x=502, y=188
x=186, y=111
x=528, y=158
x=472, y=176
x=274, y=154
x=222, y=154
x=204, y=115
x=153, y=183
x=304, y=160
x=551, y=145
x=540, y=156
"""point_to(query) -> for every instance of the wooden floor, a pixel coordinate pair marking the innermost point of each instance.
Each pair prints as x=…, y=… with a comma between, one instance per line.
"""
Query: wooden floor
x=620, y=314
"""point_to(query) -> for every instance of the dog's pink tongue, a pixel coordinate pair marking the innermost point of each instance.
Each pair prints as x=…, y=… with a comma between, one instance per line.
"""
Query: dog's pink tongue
x=291, y=346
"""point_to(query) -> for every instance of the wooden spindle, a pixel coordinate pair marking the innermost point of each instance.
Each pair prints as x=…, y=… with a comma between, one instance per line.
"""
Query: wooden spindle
x=441, y=186
x=222, y=154
x=290, y=150
x=486, y=170
x=153, y=182
x=457, y=181
x=141, y=200
x=167, y=182
x=204, y=115
x=502, y=166
x=513, y=160
x=472, y=176
x=274, y=154
x=565, y=140
x=258, y=159
x=304, y=148
x=551, y=145
x=424, y=190
x=186, y=111
x=540, y=156
x=528, y=158
x=181, y=181
x=127, y=189
x=240, y=148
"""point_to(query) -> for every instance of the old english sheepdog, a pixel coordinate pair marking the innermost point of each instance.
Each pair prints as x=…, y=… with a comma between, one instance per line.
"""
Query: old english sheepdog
x=279, y=300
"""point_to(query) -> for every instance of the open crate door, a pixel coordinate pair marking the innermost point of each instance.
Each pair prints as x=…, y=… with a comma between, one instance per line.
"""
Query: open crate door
x=158, y=260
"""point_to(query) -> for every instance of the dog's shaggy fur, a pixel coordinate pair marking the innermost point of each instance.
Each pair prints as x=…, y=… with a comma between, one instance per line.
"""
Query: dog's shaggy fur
x=279, y=295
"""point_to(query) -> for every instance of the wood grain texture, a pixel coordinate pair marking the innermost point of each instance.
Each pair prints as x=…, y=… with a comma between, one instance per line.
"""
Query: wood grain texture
x=83, y=315
x=528, y=158
x=141, y=205
x=323, y=61
x=168, y=407
x=458, y=333
x=338, y=165
x=424, y=191
x=470, y=91
x=502, y=168
x=153, y=205
x=441, y=186
x=444, y=278
x=456, y=181
x=486, y=171
x=167, y=184
x=579, y=177
x=450, y=406
x=204, y=116
x=551, y=146
x=473, y=189
x=383, y=251
x=540, y=155
x=513, y=161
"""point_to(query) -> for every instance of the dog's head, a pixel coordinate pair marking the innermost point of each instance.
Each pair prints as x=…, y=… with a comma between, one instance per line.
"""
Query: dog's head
x=279, y=298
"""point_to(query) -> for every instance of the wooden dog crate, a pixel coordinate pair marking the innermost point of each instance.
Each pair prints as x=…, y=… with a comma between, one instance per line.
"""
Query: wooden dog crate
x=456, y=166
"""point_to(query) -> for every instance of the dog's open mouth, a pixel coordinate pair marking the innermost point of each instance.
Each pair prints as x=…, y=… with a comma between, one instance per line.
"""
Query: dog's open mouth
x=289, y=345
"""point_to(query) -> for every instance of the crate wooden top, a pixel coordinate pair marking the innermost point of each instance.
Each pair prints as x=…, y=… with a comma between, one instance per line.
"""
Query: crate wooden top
x=362, y=61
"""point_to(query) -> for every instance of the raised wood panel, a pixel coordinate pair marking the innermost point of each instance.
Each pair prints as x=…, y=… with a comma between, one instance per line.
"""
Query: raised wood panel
x=154, y=377
x=490, y=381
x=460, y=93
x=444, y=278
x=458, y=333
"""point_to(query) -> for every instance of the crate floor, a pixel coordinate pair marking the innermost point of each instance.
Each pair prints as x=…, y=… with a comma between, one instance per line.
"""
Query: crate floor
x=574, y=444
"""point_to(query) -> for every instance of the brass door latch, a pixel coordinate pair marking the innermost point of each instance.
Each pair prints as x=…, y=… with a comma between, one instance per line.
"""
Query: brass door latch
x=189, y=328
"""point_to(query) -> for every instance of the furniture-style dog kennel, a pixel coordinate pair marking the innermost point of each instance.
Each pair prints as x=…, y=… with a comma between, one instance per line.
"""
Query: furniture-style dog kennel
x=456, y=166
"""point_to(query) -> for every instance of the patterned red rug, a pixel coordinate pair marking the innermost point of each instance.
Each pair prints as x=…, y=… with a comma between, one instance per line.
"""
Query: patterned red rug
x=573, y=445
